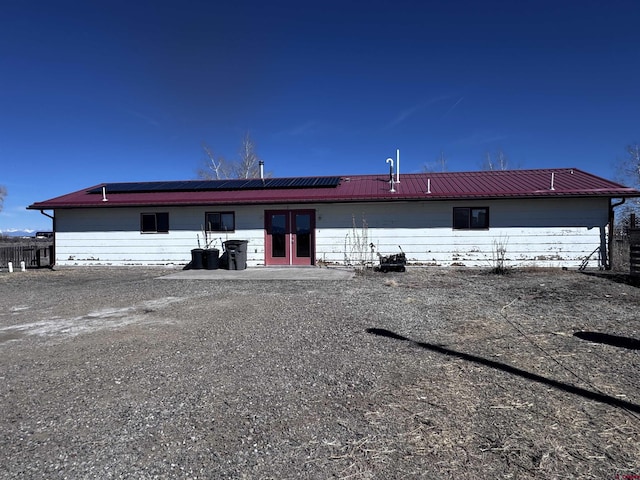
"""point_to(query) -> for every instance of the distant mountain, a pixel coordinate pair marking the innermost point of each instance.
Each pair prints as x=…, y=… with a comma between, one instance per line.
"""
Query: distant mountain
x=14, y=232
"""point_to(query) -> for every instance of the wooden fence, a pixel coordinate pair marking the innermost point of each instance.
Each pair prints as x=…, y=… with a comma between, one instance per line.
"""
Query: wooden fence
x=634, y=251
x=33, y=256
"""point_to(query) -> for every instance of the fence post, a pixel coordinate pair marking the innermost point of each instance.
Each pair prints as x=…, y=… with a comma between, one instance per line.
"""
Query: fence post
x=634, y=251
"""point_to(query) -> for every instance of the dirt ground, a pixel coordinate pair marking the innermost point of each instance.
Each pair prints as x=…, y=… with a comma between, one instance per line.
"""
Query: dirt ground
x=431, y=373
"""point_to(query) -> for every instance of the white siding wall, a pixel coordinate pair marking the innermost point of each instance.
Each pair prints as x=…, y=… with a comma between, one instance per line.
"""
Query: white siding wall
x=543, y=232
x=535, y=232
x=111, y=236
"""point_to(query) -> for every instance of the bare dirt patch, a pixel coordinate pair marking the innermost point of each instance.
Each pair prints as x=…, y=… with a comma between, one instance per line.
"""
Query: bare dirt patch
x=431, y=373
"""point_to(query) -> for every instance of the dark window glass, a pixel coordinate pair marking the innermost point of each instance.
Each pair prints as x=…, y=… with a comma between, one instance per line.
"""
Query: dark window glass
x=465, y=218
x=479, y=218
x=220, y=221
x=303, y=235
x=278, y=235
x=460, y=218
x=162, y=222
x=154, y=222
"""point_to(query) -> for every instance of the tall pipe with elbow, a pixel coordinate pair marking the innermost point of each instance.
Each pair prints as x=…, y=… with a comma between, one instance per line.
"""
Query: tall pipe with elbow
x=390, y=162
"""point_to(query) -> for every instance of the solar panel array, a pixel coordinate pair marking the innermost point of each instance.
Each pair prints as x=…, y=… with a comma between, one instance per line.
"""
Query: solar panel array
x=212, y=185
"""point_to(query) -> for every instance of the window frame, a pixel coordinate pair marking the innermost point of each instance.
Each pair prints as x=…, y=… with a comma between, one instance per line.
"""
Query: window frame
x=469, y=222
x=207, y=224
x=156, y=222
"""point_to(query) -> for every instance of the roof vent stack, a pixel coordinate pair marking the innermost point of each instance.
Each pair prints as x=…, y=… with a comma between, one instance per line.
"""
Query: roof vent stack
x=428, y=186
x=390, y=162
x=553, y=177
x=261, y=165
x=104, y=194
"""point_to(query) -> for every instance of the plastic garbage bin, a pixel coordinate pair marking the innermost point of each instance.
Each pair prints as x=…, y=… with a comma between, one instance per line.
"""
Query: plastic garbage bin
x=236, y=254
x=223, y=261
x=211, y=257
x=197, y=258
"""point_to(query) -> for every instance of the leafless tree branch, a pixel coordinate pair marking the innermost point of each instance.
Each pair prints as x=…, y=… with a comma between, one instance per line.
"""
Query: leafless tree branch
x=246, y=166
x=500, y=162
x=439, y=165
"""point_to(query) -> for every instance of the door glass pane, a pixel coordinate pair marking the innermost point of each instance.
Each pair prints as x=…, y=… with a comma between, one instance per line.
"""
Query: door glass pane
x=278, y=235
x=303, y=235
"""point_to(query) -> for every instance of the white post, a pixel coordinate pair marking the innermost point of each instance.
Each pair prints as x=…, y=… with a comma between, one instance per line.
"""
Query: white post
x=23, y=266
x=10, y=264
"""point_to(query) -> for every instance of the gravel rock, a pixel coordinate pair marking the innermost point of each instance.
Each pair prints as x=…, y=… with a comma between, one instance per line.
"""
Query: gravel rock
x=119, y=373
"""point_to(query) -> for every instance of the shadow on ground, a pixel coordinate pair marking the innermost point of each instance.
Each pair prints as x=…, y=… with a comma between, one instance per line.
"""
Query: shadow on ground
x=596, y=396
x=633, y=280
x=614, y=340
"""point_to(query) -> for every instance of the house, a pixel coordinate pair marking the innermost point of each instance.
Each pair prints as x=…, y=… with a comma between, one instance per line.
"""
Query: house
x=545, y=217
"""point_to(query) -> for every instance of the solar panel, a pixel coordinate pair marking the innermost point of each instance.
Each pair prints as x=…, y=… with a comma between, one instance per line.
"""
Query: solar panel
x=300, y=182
x=158, y=187
x=327, y=181
x=184, y=185
x=253, y=184
x=211, y=185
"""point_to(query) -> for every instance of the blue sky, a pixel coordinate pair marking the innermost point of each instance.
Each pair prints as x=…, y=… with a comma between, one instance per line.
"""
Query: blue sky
x=107, y=91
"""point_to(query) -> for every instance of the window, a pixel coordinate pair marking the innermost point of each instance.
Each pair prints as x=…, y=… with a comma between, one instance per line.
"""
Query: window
x=470, y=218
x=154, y=222
x=220, y=221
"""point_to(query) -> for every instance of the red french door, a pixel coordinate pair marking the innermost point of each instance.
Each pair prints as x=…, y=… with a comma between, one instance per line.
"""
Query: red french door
x=289, y=237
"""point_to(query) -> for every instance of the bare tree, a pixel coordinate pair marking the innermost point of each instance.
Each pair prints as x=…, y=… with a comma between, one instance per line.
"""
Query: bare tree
x=628, y=174
x=217, y=167
x=439, y=165
x=499, y=162
x=214, y=167
x=629, y=166
x=248, y=164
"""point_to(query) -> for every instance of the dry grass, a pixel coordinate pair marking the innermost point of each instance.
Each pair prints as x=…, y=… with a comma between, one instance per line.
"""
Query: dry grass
x=432, y=373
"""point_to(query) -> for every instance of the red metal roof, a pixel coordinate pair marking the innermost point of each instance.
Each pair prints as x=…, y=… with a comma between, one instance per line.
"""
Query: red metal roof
x=561, y=182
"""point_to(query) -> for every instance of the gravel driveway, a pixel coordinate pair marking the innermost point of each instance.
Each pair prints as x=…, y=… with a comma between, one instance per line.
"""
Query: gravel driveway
x=120, y=373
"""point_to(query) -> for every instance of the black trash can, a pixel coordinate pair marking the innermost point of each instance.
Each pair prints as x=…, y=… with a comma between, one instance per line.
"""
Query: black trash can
x=197, y=258
x=211, y=257
x=236, y=251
